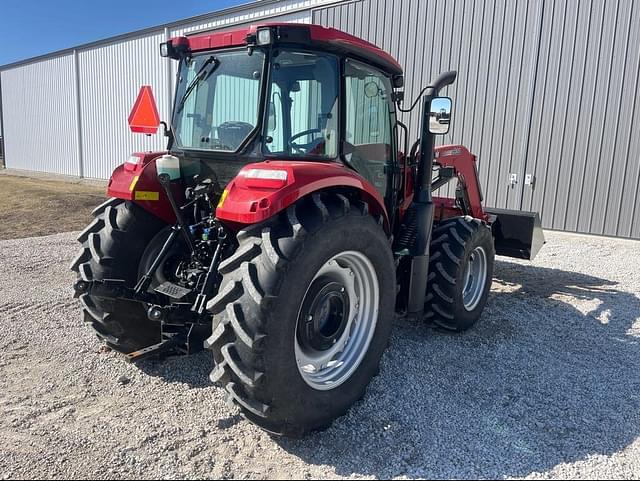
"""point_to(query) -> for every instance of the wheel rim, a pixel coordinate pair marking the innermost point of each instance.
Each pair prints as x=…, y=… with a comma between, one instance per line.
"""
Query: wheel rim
x=475, y=279
x=337, y=320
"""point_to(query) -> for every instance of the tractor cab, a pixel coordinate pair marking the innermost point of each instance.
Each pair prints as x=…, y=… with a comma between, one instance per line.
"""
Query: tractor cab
x=285, y=93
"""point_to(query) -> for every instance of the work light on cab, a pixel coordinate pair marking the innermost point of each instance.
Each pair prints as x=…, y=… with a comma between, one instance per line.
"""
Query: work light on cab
x=264, y=36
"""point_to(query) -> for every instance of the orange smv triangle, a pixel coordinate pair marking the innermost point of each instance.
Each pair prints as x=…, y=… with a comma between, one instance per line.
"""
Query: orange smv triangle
x=144, y=116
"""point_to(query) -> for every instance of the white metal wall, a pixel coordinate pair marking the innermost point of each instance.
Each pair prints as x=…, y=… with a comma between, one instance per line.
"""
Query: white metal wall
x=39, y=111
x=110, y=78
x=48, y=101
x=286, y=11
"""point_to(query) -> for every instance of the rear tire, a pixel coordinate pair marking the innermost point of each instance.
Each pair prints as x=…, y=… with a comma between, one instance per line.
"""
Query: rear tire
x=460, y=273
x=265, y=287
x=112, y=246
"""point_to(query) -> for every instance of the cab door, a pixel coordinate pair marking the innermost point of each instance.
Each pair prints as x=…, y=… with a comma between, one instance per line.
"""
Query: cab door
x=369, y=134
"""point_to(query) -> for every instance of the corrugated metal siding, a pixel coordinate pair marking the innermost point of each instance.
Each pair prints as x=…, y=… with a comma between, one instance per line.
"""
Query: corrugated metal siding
x=111, y=74
x=282, y=10
x=584, y=146
x=545, y=87
x=487, y=42
x=38, y=102
x=110, y=78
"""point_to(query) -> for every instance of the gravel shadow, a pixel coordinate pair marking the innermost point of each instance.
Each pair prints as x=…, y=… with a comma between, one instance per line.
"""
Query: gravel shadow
x=191, y=370
x=549, y=376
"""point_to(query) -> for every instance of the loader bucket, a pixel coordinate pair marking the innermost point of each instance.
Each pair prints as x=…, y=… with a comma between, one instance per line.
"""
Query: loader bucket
x=516, y=233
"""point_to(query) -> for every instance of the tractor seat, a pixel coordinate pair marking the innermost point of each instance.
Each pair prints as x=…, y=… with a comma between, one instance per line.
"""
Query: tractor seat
x=232, y=134
x=370, y=160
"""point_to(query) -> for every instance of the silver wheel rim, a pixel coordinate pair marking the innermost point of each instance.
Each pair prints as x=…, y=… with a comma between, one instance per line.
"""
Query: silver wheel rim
x=324, y=370
x=475, y=279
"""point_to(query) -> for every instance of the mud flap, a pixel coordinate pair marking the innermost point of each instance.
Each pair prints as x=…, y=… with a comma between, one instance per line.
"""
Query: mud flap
x=517, y=234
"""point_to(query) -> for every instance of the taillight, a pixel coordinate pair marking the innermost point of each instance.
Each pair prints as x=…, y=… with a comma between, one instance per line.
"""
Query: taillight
x=133, y=163
x=265, y=178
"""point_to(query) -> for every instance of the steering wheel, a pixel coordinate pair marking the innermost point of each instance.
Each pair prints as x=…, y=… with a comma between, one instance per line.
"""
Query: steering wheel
x=304, y=148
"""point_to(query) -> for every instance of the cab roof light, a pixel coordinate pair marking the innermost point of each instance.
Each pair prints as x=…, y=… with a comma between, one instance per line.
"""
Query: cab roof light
x=264, y=37
x=174, y=48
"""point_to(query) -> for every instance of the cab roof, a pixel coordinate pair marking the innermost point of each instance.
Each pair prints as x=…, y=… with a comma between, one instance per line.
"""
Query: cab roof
x=308, y=36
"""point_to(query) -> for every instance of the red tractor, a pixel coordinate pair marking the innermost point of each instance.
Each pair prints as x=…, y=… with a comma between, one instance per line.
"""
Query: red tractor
x=284, y=227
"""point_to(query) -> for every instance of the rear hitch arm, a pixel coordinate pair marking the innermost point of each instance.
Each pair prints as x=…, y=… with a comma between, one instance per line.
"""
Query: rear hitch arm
x=200, y=304
x=111, y=289
x=165, y=181
x=145, y=281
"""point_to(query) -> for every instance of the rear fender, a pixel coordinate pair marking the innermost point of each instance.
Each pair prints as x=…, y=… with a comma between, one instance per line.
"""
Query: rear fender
x=247, y=200
x=137, y=181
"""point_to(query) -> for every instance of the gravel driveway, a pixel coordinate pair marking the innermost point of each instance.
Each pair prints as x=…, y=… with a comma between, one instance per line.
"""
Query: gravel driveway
x=547, y=385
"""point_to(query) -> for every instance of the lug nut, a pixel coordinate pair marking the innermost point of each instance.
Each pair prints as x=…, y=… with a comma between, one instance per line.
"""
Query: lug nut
x=155, y=313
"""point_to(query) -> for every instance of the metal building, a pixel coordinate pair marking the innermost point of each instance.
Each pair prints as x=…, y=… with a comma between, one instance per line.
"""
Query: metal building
x=547, y=95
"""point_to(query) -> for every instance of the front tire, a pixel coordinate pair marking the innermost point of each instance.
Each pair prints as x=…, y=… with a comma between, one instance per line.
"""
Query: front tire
x=460, y=273
x=270, y=287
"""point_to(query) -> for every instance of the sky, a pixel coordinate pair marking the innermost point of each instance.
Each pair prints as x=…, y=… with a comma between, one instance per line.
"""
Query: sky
x=29, y=28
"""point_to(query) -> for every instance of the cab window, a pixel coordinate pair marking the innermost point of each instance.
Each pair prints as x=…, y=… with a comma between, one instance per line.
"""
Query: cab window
x=302, y=108
x=368, y=129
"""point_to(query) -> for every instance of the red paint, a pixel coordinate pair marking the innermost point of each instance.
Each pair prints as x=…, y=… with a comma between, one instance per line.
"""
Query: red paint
x=337, y=37
x=247, y=204
x=464, y=164
x=249, y=201
x=144, y=116
x=445, y=208
x=145, y=170
x=407, y=174
x=317, y=33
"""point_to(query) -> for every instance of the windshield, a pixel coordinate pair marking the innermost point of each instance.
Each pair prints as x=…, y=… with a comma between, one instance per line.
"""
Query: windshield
x=302, y=112
x=217, y=100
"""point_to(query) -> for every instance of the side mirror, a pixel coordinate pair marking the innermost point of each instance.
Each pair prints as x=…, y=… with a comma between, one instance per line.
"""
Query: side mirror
x=272, y=122
x=440, y=115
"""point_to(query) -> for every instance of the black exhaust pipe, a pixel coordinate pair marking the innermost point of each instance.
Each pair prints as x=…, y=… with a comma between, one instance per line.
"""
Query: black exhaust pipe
x=423, y=202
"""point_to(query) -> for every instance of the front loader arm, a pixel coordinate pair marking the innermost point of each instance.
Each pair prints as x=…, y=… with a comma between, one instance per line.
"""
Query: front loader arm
x=469, y=193
x=516, y=234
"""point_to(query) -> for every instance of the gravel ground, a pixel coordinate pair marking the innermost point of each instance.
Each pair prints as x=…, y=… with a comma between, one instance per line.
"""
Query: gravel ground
x=546, y=386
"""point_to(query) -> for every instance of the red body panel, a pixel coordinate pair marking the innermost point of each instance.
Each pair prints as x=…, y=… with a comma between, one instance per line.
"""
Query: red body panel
x=247, y=201
x=247, y=204
x=407, y=175
x=146, y=190
x=464, y=164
